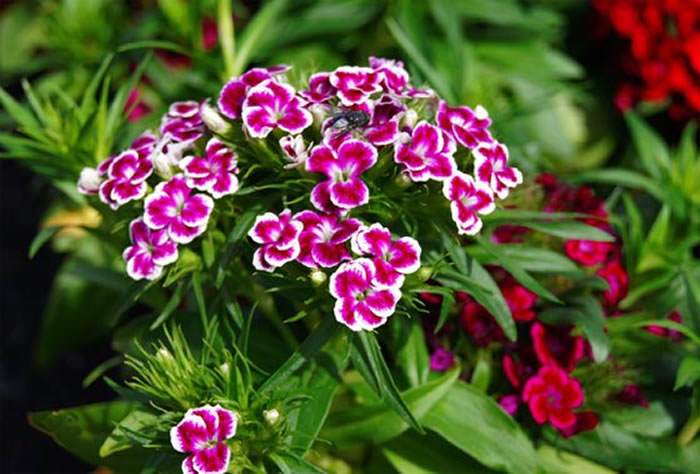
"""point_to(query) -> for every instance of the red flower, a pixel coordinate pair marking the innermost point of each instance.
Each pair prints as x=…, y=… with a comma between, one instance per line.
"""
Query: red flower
x=632, y=395
x=588, y=252
x=479, y=324
x=135, y=107
x=554, y=345
x=672, y=334
x=585, y=421
x=618, y=281
x=520, y=365
x=521, y=301
x=552, y=395
x=210, y=33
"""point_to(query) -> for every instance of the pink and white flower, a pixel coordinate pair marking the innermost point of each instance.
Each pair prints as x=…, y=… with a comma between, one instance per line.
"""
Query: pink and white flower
x=295, y=150
x=215, y=172
x=323, y=238
x=382, y=123
x=355, y=84
x=144, y=144
x=149, y=252
x=469, y=127
x=271, y=105
x=183, y=122
x=393, y=76
x=360, y=303
x=202, y=434
x=343, y=167
x=126, y=179
x=392, y=259
x=468, y=199
x=428, y=155
x=233, y=94
x=172, y=206
x=491, y=167
x=279, y=240
x=320, y=89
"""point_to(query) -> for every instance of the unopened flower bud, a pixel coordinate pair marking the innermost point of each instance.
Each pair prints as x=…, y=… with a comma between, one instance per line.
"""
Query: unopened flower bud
x=89, y=181
x=213, y=120
x=225, y=369
x=403, y=180
x=410, y=118
x=424, y=273
x=163, y=164
x=271, y=416
x=164, y=356
x=318, y=277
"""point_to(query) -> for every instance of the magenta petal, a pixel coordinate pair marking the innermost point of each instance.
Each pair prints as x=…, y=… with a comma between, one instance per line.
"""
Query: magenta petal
x=182, y=233
x=349, y=194
x=214, y=460
x=295, y=120
x=123, y=192
x=344, y=312
x=160, y=209
x=224, y=185
x=196, y=210
x=258, y=121
x=329, y=255
x=259, y=261
x=266, y=229
x=383, y=302
x=231, y=98
x=278, y=257
x=405, y=255
x=189, y=434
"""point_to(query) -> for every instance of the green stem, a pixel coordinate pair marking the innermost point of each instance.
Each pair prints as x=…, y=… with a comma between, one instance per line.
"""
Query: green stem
x=689, y=431
x=227, y=37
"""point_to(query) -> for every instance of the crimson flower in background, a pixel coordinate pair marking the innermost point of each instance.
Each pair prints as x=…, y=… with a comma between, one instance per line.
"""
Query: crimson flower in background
x=552, y=395
x=660, y=57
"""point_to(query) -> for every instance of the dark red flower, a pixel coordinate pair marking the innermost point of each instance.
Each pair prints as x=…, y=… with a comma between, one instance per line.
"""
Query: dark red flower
x=672, y=334
x=585, y=421
x=441, y=360
x=618, y=282
x=555, y=345
x=479, y=324
x=210, y=33
x=509, y=234
x=632, y=395
x=136, y=108
x=521, y=301
x=552, y=395
x=520, y=364
x=588, y=252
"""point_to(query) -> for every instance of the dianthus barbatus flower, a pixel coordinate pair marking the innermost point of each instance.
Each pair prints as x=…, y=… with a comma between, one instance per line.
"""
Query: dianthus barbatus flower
x=323, y=238
x=202, y=433
x=469, y=127
x=428, y=154
x=126, y=179
x=295, y=150
x=393, y=259
x=320, y=89
x=278, y=237
x=149, y=252
x=355, y=84
x=183, y=122
x=491, y=167
x=234, y=92
x=343, y=167
x=618, y=283
x=552, y=395
x=271, y=105
x=214, y=172
x=360, y=303
x=172, y=206
x=393, y=77
x=468, y=199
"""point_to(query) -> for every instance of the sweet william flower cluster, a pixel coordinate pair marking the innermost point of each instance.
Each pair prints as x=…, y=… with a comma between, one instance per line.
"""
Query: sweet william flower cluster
x=344, y=130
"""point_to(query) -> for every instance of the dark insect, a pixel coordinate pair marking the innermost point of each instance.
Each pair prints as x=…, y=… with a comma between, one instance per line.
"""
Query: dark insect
x=344, y=122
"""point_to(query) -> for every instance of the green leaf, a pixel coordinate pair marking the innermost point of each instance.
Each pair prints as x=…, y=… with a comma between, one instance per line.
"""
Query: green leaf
x=290, y=463
x=119, y=439
x=531, y=259
x=411, y=453
x=41, y=238
x=260, y=25
x=557, y=461
x=692, y=293
x=379, y=423
x=309, y=348
x=620, y=177
x=413, y=356
x=652, y=151
x=653, y=421
x=366, y=344
x=688, y=372
x=570, y=230
x=473, y=422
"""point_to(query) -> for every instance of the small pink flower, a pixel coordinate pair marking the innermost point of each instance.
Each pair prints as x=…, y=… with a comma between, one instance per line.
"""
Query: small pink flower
x=279, y=240
x=355, y=84
x=320, y=89
x=271, y=105
x=552, y=395
x=173, y=207
x=468, y=200
x=360, y=304
x=323, y=238
x=215, y=172
x=469, y=127
x=126, y=179
x=202, y=433
x=343, y=167
x=588, y=252
x=149, y=252
x=296, y=151
x=510, y=403
x=491, y=167
x=234, y=92
x=585, y=421
x=520, y=300
x=392, y=259
x=441, y=360
x=183, y=122
x=393, y=76
x=428, y=155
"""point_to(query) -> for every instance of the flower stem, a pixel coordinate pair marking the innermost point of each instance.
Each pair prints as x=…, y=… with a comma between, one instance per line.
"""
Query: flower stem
x=227, y=37
x=690, y=430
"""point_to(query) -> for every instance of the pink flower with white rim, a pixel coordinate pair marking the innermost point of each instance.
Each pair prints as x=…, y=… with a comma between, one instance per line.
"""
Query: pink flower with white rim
x=144, y=144
x=393, y=259
x=379, y=125
x=126, y=179
x=323, y=238
x=279, y=240
x=172, y=206
x=234, y=92
x=215, y=172
x=295, y=150
x=202, y=433
x=469, y=127
x=491, y=167
x=271, y=105
x=186, y=109
x=428, y=155
x=343, y=167
x=355, y=84
x=394, y=77
x=360, y=303
x=468, y=198
x=149, y=252
x=320, y=89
